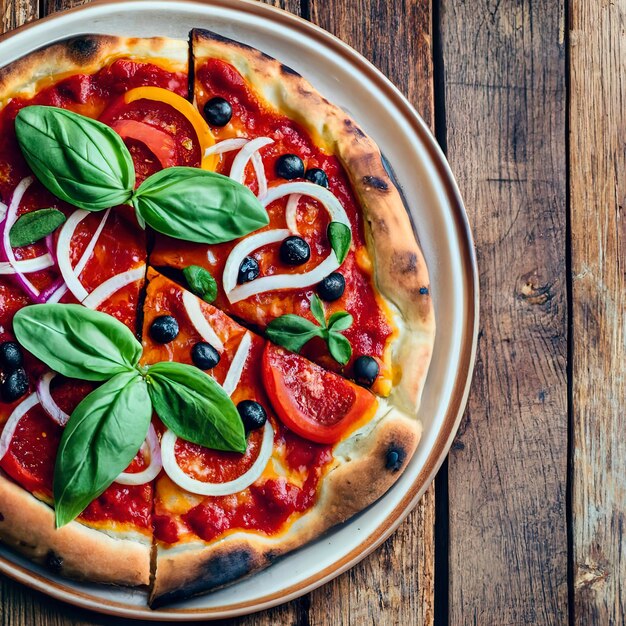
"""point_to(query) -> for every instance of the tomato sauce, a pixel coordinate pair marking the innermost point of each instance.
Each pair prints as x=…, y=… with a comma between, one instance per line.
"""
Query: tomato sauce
x=370, y=334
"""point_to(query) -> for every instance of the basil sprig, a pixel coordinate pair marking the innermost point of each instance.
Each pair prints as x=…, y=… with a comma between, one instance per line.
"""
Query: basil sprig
x=201, y=283
x=293, y=331
x=106, y=430
x=86, y=163
x=340, y=238
x=33, y=226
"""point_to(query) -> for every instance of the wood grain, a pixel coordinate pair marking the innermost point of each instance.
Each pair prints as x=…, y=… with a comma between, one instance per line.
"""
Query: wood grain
x=504, y=64
x=597, y=200
x=14, y=14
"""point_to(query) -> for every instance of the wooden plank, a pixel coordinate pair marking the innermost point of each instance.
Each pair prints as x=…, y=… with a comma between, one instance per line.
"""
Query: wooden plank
x=504, y=65
x=14, y=13
x=395, y=585
x=597, y=200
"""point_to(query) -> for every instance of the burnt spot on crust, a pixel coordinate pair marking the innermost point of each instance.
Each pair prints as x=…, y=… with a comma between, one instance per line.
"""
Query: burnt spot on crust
x=83, y=48
x=405, y=262
x=353, y=128
x=395, y=457
x=285, y=69
x=198, y=34
x=216, y=572
x=1, y=517
x=54, y=562
x=377, y=183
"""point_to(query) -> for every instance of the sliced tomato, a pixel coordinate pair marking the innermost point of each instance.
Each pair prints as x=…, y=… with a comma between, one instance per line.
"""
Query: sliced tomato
x=314, y=403
x=157, y=141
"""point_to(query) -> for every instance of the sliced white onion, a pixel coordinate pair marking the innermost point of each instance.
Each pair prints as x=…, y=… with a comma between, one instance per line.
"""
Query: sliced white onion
x=259, y=170
x=106, y=289
x=238, y=168
x=47, y=401
x=243, y=249
x=173, y=470
x=152, y=447
x=327, y=198
x=200, y=323
x=238, y=363
x=71, y=275
x=3, y=210
x=285, y=281
x=290, y=212
x=14, y=419
x=10, y=219
x=27, y=266
x=228, y=145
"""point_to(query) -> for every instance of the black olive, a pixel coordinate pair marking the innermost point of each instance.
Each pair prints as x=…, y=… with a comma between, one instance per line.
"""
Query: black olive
x=332, y=287
x=248, y=270
x=15, y=385
x=252, y=414
x=10, y=355
x=218, y=111
x=317, y=176
x=294, y=251
x=365, y=370
x=164, y=329
x=290, y=166
x=204, y=355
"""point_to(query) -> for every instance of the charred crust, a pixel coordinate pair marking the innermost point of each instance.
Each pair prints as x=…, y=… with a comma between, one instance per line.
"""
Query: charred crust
x=198, y=34
x=405, y=262
x=82, y=49
x=285, y=69
x=394, y=458
x=53, y=562
x=375, y=182
x=353, y=128
x=218, y=571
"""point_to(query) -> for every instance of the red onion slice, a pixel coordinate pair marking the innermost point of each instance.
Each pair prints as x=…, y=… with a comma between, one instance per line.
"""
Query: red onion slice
x=150, y=447
x=14, y=419
x=47, y=401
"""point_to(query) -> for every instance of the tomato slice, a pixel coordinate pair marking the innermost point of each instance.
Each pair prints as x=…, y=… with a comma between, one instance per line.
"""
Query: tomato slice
x=157, y=141
x=314, y=403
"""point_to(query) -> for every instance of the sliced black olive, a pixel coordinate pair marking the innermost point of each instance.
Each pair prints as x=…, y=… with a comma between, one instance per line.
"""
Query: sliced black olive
x=317, y=176
x=164, y=329
x=332, y=287
x=10, y=355
x=290, y=166
x=252, y=414
x=294, y=251
x=248, y=270
x=366, y=369
x=218, y=111
x=15, y=385
x=204, y=355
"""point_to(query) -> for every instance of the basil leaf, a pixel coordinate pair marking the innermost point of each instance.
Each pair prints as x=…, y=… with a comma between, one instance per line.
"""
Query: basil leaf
x=198, y=205
x=80, y=160
x=201, y=282
x=195, y=407
x=342, y=320
x=339, y=347
x=340, y=238
x=33, y=226
x=292, y=331
x=317, y=309
x=76, y=341
x=101, y=438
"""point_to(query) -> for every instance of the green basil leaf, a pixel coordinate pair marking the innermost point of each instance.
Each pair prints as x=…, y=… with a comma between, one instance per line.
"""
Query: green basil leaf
x=100, y=440
x=340, y=238
x=317, y=309
x=33, y=226
x=339, y=347
x=195, y=407
x=198, y=205
x=292, y=331
x=76, y=341
x=342, y=320
x=80, y=160
x=201, y=282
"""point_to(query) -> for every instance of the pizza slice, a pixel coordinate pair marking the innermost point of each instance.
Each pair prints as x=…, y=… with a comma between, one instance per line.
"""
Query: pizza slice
x=338, y=227
x=311, y=437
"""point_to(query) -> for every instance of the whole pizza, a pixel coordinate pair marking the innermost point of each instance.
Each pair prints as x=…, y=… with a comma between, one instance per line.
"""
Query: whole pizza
x=215, y=319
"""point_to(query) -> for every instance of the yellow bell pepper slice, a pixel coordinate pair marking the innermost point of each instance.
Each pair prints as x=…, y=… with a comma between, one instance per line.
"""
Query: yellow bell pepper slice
x=205, y=137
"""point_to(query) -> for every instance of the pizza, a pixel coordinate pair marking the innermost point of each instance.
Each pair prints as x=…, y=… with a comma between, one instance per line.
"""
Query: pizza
x=215, y=318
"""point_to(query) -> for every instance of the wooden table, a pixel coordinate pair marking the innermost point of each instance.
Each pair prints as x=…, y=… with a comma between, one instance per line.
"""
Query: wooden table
x=525, y=522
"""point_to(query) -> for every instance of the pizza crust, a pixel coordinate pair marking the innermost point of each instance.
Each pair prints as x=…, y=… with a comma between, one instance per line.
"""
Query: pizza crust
x=399, y=268
x=365, y=471
x=76, y=551
x=86, y=54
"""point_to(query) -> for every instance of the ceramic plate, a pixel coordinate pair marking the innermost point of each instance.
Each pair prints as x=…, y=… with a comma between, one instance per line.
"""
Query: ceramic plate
x=436, y=210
